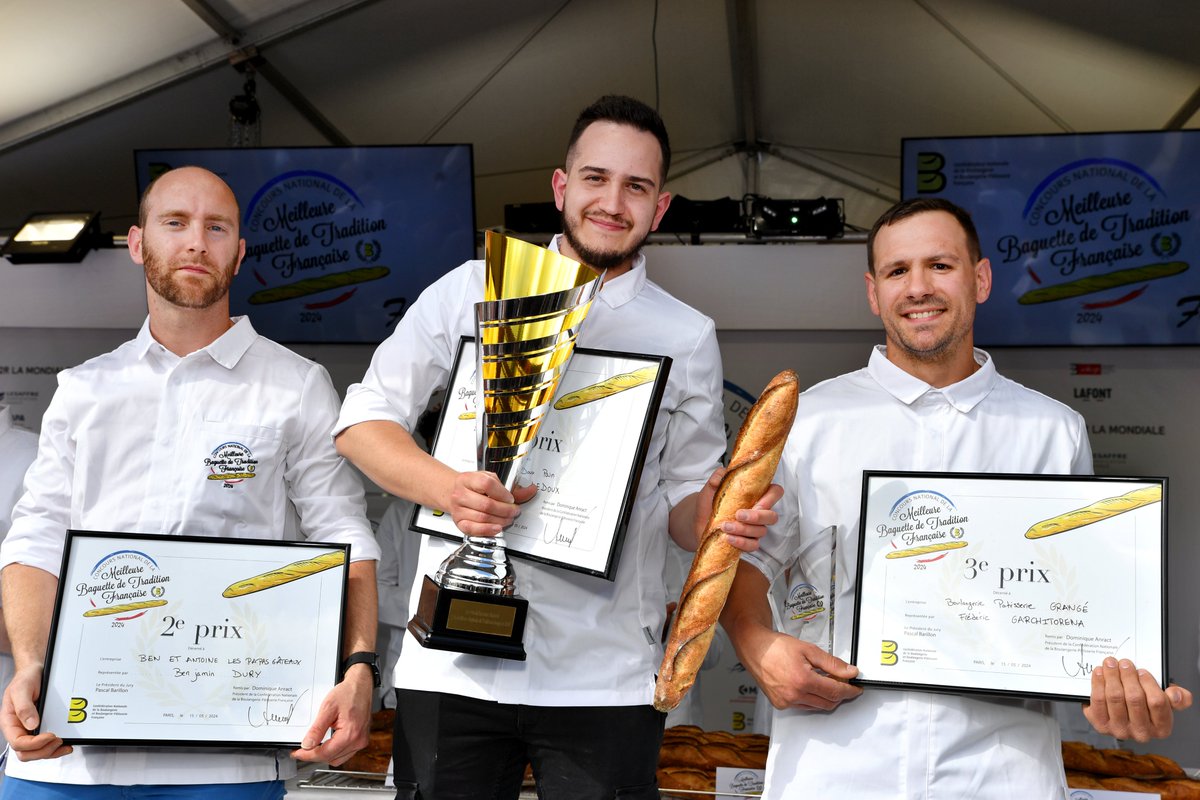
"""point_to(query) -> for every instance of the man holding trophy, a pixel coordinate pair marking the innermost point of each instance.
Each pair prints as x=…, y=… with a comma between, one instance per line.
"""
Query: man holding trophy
x=574, y=700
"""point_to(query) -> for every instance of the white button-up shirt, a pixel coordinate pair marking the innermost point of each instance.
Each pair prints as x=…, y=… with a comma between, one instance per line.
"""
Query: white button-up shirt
x=589, y=641
x=123, y=448
x=905, y=744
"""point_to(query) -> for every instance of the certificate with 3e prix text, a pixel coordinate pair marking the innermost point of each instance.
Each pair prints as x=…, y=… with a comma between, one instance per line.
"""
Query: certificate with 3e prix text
x=1008, y=584
x=179, y=640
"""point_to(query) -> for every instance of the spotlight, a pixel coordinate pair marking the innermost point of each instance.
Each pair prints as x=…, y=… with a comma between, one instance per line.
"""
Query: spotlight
x=822, y=217
x=54, y=238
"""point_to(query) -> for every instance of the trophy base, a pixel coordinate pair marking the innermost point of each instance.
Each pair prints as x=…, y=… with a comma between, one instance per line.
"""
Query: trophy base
x=468, y=622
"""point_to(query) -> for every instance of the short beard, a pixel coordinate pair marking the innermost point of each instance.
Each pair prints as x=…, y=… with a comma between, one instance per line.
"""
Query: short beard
x=941, y=350
x=161, y=279
x=599, y=260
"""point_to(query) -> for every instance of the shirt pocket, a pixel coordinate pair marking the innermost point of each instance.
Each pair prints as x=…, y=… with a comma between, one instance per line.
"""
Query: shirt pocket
x=242, y=477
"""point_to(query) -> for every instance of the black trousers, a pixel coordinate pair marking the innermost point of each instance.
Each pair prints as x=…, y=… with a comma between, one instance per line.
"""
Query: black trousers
x=448, y=747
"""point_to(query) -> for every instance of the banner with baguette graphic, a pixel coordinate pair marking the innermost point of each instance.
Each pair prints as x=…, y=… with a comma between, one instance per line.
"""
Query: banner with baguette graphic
x=339, y=241
x=1093, y=238
x=189, y=640
x=1004, y=584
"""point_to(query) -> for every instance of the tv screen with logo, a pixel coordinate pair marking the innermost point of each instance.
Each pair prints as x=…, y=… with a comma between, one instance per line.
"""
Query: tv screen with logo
x=339, y=240
x=1094, y=239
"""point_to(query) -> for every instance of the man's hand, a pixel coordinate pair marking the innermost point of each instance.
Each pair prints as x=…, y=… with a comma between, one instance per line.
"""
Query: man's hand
x=347, y=711
x=796, y=674
x=750, y=524
x=18, y=716
x=481, y=506
x=1128, y=703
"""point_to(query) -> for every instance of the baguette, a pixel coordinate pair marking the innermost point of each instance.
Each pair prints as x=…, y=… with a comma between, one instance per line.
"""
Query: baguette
x=1100, y=283
x=687, y=779
x=123, y=607
x=1097, y=511
x=925, y=549
x=320, y=283
x=751, y=468
x=1082, y=757
x=285, y=574
x=606, y=388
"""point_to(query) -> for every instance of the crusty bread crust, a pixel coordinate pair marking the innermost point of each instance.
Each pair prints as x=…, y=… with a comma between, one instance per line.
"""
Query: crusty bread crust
x=751, y=468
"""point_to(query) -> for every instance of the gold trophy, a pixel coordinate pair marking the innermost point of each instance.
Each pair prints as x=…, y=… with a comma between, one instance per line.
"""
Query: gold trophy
x=525, y=329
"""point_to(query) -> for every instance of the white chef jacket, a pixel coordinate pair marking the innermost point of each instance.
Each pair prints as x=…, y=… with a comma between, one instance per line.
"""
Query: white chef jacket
x=123, y=448
x=399, y=551
x=589, y=641
x=17, y=449
x=905, y=744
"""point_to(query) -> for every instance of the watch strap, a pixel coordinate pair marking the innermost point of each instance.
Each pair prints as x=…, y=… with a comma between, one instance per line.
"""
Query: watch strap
x=364, y=657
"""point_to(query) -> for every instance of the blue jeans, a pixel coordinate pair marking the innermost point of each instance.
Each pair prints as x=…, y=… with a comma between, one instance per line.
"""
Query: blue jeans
x=17, y=789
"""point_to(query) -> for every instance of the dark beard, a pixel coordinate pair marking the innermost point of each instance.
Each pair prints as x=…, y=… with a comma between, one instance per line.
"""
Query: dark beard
x=161, y=279
x=599, y=260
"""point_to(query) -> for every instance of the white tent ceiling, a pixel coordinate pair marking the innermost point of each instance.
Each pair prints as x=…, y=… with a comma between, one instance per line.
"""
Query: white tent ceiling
x=787, y=98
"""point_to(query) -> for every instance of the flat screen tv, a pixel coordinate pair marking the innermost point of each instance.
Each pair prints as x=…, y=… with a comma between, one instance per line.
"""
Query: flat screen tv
x=1093, y=238
x=339, y=240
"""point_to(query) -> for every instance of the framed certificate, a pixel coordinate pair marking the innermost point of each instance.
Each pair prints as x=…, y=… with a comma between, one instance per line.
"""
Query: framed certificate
x=587, y=461
x=1008, y=584
x=196, y=641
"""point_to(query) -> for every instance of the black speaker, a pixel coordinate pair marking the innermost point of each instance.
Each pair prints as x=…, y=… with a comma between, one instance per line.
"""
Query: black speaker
x=723, y=215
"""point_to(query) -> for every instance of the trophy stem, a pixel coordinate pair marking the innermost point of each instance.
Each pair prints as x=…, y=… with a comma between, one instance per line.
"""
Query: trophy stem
x=479, y=565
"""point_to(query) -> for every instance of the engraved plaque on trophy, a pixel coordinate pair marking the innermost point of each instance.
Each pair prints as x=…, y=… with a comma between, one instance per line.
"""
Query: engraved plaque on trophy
x=526, y=326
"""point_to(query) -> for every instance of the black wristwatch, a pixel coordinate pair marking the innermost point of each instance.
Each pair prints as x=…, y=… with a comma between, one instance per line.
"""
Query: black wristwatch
x=363, y=657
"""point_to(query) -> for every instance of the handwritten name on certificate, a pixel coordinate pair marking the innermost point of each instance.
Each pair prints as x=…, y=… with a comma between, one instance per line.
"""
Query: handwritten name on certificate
x=189, y=640
x=1008, y=584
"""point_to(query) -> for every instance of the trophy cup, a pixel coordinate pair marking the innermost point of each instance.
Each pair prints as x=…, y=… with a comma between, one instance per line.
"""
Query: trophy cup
x=525, y=330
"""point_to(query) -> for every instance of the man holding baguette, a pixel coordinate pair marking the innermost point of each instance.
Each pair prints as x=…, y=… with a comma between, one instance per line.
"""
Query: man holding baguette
x=927, y=400
x=578, y=709
x=123, y=448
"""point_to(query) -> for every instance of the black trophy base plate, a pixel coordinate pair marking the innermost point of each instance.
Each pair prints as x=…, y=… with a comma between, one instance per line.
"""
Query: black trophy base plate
x=466, y=622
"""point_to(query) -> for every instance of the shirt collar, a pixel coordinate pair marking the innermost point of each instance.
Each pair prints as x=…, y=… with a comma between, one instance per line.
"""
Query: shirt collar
x=619, y=290
x=227, y=350
x=907, y=388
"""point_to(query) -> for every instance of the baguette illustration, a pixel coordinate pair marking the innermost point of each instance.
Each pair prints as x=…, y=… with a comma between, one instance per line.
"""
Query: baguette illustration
x=1098, y=283
x=123, y=607
x=751, y=467
x=285, y=574
x=323, y=283
x=926, y=549
x=607, y=387
x=1097, y=511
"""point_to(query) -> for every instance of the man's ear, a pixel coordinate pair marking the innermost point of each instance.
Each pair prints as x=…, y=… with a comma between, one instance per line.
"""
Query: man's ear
x=558, y=182
x=983, y=280
x=664, y=201
x=872, y=301
x=135, y=245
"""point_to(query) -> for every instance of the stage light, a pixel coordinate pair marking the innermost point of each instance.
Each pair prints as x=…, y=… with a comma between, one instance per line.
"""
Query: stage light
x=54, y=238
x=823, y=217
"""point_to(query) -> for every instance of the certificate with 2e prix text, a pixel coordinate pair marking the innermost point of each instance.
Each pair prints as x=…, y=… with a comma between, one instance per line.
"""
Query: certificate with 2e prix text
x=178, y=640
